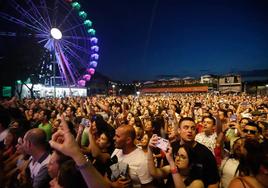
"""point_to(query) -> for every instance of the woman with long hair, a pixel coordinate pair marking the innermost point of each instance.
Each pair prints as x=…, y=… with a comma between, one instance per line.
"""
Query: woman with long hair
x=253, y=167
x=181, y=171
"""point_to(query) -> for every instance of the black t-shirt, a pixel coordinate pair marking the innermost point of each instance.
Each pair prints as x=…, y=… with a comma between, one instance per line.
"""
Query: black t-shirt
x=99, y=165
x=195, y=174
x=205, y=161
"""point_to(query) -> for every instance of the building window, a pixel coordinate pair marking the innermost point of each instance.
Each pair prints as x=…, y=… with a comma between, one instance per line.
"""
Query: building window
x=235, y=79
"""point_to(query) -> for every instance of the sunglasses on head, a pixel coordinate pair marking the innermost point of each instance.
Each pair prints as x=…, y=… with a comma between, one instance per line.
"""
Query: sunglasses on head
x=249, y=131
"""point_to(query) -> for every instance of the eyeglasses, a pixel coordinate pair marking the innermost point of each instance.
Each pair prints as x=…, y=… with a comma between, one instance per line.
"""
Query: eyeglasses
x=249, y=131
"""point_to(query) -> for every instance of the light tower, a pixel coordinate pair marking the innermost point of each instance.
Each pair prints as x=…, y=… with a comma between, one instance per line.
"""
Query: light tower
x=57, y=35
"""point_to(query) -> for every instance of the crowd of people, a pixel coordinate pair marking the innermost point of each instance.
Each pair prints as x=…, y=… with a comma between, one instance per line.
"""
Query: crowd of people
x=180, y=140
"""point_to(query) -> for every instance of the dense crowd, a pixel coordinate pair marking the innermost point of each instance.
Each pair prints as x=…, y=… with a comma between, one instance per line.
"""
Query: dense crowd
x=182, y=140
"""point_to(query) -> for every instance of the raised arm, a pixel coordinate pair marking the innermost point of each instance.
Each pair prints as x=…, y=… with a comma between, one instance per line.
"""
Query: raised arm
x=94, y=148
x=64, y=141
x=155, y=172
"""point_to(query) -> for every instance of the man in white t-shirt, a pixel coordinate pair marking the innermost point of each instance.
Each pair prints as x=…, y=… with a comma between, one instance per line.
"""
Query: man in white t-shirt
x=208, y=136
x=128, y=153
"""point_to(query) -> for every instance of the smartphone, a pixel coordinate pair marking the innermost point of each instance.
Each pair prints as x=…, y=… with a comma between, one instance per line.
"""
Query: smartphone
x=162, y=144
x=123, y=177
x=233, y=118
x=85, y=122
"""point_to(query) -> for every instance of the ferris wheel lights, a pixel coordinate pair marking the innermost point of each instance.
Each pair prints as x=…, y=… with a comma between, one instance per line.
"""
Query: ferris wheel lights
x=70, y=56
x=91, y=31
x=91, y=71
x=82, y=14
x=95, y=56
x=87, y=77
x=93, y=64
x=95, y=48
x=94, y=40
x=88, y=23
x=82, y=83
x=76, y=5
x=56, y=33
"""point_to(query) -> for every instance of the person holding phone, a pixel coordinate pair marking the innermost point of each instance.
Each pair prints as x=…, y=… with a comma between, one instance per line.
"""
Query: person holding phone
x=205, y=160
x=232, y=130
x=181, y=170
x=182, y=167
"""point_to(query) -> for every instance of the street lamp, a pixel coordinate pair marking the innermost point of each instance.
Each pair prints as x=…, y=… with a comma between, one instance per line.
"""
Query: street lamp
x=57, y=35
x=113, y=86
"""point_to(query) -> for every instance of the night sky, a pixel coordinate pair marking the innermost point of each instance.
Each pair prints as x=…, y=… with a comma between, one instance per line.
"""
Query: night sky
x=144, y=39
x=152, y=39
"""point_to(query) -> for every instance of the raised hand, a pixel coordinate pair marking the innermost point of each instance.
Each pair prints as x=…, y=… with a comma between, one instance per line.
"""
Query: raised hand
x=64, y=141
x=153, y=141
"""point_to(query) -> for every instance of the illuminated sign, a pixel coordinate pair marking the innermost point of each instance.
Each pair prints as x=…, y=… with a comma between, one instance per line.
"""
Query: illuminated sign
x=6, y=91
x=45, y=91
x=176, y=89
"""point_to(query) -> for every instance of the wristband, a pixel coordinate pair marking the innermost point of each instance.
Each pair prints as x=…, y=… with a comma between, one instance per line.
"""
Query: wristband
x=174, y=170
x=85, y=165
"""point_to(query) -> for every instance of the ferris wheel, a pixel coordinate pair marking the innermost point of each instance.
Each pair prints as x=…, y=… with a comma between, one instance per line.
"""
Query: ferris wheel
x=63, y=28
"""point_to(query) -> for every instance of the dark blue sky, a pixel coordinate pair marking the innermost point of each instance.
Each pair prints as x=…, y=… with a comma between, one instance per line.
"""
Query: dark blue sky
x=142, y=39
x=146, y=39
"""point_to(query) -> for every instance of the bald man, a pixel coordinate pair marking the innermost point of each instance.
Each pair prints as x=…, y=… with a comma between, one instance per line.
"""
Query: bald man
x=35, y=144
x=136, y=160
